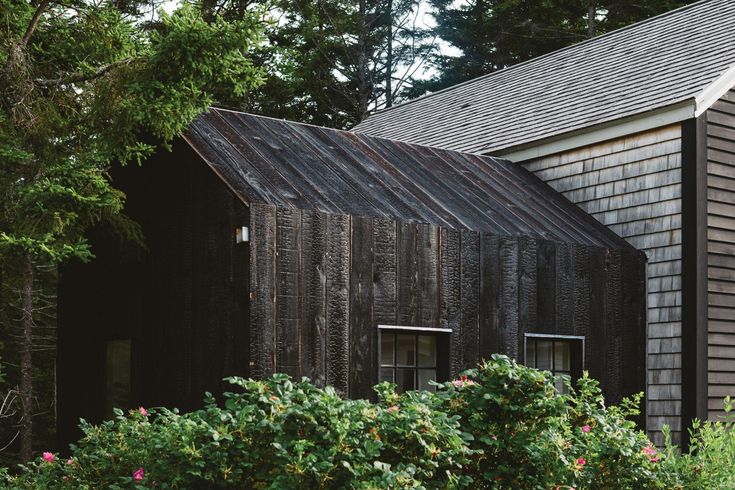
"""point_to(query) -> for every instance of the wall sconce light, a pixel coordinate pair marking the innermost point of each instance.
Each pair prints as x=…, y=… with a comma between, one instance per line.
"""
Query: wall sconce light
x=242, y=234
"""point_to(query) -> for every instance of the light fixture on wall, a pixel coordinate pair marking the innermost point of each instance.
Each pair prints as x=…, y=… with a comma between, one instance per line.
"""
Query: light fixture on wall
x=242, y=234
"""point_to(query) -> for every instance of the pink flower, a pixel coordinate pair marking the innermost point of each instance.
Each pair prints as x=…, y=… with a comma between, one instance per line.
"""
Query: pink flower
x=654, y=459
x=650, y=450
x=49, y=457
x=581, y=461
x=70, y=461
x=462, y=382
x=392, y=409
x=139, y=474
x=586, y=428
x=143, y=411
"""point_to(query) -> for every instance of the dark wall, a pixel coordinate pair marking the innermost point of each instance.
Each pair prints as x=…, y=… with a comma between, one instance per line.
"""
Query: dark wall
x=183, y=302
x=322, y=283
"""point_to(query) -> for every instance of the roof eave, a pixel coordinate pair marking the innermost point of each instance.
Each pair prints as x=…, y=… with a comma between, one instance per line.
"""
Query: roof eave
x=618, y=128
x=714, y=91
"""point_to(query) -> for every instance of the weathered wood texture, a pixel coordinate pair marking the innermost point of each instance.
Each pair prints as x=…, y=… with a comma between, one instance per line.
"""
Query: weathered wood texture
x=721, y=252
x=489, y=290
x=183, y=302
x=633, y=185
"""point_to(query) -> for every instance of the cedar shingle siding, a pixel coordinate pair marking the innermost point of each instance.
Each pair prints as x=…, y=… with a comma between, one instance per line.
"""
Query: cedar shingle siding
x=721, y=251
x=633, y=185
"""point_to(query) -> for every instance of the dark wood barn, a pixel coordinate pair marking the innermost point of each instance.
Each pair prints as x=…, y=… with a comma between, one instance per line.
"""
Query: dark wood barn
x=282, y=247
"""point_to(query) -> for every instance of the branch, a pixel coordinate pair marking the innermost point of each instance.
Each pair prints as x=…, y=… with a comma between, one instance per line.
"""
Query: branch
x=32, y=25
x=82, y=77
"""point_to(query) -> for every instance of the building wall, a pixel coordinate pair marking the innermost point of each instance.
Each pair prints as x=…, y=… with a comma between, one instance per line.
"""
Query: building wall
x=183, y=302
x=321, y=283
x=721, y=251
x=633, y=185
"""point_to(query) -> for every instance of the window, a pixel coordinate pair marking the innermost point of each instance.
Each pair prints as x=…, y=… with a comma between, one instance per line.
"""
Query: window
x=411, y=357
x=117, y=375
x=558, y=354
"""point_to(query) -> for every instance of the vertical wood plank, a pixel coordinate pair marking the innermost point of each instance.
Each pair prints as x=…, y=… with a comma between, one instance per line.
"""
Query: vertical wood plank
x=595, y=358
x=509, y=296
x=470, y=256
x=450, y=292
x=288, y=292
x=527, y=289
x=613, y=321
x=581, y=285
x=384, y=272
x=489, y=300
x=408, y=286
x=428, y=275
x=314, y=283
x=363, y=334
x=262, y=289
x=633, y=327
x=546, y=297
x=338, y=301
x=564, y=289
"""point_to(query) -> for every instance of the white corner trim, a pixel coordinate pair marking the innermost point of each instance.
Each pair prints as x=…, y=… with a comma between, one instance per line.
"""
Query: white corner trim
x=714, y=91
x=603, y=132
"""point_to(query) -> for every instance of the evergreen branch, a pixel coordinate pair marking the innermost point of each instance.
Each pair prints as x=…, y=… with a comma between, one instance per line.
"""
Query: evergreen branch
x=83, y=77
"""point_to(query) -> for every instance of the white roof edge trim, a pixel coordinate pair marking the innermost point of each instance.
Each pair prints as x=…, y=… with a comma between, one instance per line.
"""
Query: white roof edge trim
x=597, y=134
x=714, y=91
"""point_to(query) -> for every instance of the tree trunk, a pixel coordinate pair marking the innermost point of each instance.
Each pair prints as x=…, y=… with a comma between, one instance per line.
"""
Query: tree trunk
x=591, y=19
x=389, y=59
x=364, y=89
x=26, y=362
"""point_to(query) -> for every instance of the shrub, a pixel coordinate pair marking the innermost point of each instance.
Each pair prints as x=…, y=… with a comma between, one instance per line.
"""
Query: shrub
x=501, y=425
x=275, y=434
x=710, y=460
x=527, y=435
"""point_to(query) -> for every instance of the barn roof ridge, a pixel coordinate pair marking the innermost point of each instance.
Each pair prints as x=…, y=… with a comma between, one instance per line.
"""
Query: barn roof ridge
x=302, y=166
x=684, y=56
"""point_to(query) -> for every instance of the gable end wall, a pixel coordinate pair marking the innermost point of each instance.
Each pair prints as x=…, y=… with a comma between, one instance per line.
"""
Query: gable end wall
x=633, y=185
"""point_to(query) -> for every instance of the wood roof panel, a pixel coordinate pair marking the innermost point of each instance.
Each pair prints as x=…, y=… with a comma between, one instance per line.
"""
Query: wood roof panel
x=294, y=165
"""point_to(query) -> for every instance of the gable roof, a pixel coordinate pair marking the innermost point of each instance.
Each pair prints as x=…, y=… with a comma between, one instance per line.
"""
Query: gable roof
x=300, y=166
x=684, y=57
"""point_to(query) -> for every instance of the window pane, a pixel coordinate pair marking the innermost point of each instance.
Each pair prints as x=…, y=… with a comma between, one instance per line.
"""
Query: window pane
x=117, y=375
x=406, y=350
x=427, y=350
x=426, y=375
x=559, y=384
x=404, y=380
x=543, y=354
x=561, y=356
x=530, y=353
x=386, y=374
x=387, y=343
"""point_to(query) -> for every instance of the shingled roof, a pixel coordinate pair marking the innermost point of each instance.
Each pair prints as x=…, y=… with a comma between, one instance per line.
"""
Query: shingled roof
x=293, y=165
x=681, y=57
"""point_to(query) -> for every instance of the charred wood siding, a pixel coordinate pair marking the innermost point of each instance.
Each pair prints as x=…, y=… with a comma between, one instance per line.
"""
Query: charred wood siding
x=183, y=302
x=721, y=251
x=359, y=272
x=633, y=185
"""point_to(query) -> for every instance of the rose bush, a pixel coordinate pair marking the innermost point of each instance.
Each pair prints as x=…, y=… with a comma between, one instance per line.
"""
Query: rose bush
x=501, y=425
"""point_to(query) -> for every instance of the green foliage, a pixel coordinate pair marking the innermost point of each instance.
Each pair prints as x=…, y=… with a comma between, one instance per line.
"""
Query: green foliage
x=275, y=434
x=710, y=461
x=501, y=425
x=527, y=435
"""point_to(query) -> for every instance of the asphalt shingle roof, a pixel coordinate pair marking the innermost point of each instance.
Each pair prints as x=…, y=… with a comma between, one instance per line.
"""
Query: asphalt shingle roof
x=655, y=63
